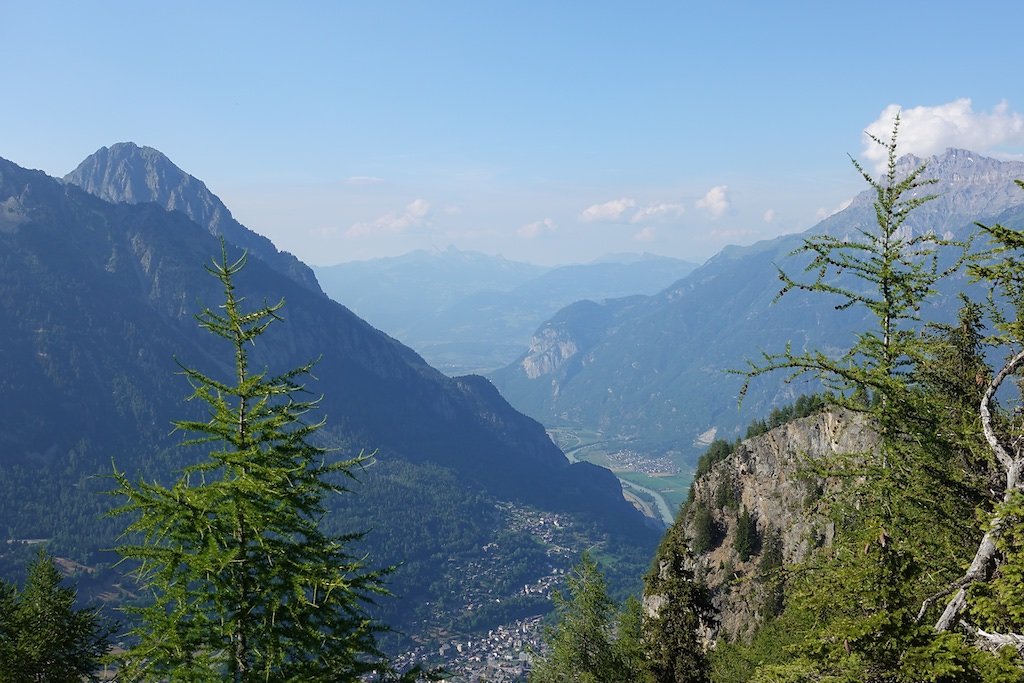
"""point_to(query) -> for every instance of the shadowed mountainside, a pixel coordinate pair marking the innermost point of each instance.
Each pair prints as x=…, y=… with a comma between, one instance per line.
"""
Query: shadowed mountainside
x=99, y=301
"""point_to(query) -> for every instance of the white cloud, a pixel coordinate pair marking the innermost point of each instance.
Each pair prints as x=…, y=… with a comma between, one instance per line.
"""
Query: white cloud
x=658, y=212
x=414, y=215
x=537, y=228
x=363, y=180
x=715, y=202
x=768, y=216
x=930, y=130
x=646, y=235
x=823, y=213
x=608, y=212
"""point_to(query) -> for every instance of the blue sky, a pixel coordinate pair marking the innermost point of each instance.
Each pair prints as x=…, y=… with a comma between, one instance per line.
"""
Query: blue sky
x=550, y=132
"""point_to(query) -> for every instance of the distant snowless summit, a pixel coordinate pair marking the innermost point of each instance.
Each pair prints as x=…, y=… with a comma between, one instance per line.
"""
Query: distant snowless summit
x=466, y=311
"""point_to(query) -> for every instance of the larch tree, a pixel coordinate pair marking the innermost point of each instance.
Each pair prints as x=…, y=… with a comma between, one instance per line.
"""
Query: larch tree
x=241, y=583
x=990, y=593
x=902, y=511
x=587, y=643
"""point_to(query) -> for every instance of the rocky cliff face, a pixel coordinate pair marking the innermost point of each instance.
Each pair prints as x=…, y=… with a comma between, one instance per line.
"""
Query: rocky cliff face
x=769, y=478
x=131, y=174
x=550, y=348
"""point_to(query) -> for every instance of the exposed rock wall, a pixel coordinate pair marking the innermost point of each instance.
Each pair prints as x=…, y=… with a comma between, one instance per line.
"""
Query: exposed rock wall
x=770, y=477
x=128, y=173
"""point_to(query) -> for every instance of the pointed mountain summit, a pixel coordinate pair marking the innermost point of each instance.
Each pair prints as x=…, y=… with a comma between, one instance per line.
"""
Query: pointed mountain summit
x=98, y=301
x=655, y=369
x=126, y=172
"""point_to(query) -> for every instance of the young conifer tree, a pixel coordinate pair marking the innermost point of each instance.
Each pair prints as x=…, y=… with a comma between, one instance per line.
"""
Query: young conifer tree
x=241, y=583
x=590, y=643
x=43, y=636
x=677, y=608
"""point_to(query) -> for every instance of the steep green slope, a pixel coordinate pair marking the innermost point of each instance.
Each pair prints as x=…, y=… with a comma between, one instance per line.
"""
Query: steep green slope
x=98, y=301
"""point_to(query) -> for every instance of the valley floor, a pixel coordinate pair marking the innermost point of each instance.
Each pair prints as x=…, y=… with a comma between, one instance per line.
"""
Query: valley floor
x=656, y=483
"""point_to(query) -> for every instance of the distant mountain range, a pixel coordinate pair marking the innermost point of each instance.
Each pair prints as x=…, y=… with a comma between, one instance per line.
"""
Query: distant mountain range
x=655, y=369
x=467, y=311
x=98, y=295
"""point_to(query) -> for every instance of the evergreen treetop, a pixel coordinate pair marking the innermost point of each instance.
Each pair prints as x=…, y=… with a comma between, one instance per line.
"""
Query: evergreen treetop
x=43, y=636
x=241, y=582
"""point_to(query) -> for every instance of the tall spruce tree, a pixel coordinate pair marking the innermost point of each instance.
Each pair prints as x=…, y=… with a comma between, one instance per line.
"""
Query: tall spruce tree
x=241, y=583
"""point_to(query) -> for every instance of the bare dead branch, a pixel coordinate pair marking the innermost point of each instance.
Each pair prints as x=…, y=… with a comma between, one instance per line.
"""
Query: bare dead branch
x=1011, y=463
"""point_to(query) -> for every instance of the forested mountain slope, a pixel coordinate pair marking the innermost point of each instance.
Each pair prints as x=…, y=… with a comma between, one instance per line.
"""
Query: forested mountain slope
x=656, y=368
x=99, y=299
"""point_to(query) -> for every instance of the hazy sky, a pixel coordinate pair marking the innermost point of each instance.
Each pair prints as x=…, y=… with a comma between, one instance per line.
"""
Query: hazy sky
x=549, y=132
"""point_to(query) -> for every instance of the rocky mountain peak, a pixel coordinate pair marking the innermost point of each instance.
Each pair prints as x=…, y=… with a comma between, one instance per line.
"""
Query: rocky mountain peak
x=957, y=165
x=126, y=172
x=133, y=174
x=966, y=187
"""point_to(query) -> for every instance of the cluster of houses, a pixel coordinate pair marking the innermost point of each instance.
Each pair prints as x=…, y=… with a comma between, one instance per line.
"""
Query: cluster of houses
x=503, y=656
x=631, y=461
x=504, y=653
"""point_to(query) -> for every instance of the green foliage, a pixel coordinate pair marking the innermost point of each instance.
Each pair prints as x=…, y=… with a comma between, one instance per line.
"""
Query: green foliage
x=894, y=275
x=726, y=493
x=948, y=658
x=630, y=641
x=244, y=583
x=756, y=428
x=587, y=643
x=805, y=404
x=903, y=513
x=996, y=599
x=718, y=451
x=674, y=647
x=999, y=603
x=747, y=539
x=707, y=532
x=43, y=637
x=771, y=646
x=770, y=573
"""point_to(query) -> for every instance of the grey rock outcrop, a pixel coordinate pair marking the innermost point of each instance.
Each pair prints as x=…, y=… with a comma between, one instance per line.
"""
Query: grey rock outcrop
x=770, y=477
x=550, y=348
x=128, y=173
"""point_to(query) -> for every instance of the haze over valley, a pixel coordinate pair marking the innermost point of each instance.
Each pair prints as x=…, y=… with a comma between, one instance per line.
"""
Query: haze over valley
x=511, y=343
